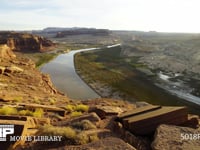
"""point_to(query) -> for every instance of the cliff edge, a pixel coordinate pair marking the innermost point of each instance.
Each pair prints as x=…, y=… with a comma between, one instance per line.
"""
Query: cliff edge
x=25, y=42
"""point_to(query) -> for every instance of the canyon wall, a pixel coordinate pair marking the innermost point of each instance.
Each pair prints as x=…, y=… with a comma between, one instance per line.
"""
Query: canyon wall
x=25, y=42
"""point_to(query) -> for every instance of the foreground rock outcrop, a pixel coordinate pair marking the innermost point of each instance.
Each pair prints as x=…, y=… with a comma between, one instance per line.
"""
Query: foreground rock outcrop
x=168, y=137
x=5, y=52
x=25, y=42
x=110, y=143
x=20, y=81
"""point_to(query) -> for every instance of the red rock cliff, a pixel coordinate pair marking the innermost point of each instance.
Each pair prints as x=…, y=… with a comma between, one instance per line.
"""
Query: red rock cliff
x=25, y=42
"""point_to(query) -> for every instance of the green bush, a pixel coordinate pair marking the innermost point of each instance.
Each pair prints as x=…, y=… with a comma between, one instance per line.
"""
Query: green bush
x=66, y=132
x=38, y=113
x=52, y=101
x=84, y=125
x=7, y=110
x=25, y=113
x=82, y=138
x=82, y=108
x=76, y=114
x=72, y=136
x=93, y=138
x=70, y=107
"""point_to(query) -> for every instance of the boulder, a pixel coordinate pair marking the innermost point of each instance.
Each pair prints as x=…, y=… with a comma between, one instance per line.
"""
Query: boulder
x=168, y=137
x=140, y=143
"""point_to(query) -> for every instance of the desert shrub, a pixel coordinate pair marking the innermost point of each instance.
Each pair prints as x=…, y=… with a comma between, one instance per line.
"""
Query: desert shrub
x=38, y=112
x=7, y=110
x=52, y=101
x=84, y=125
x=82, y=138
x=70, y=108
x=36, y=100
x=68, y=133
x=65, y=132
x=76, y=114
x=82, y=108
x=93, y=138
x=18, y=99
x=25, y=113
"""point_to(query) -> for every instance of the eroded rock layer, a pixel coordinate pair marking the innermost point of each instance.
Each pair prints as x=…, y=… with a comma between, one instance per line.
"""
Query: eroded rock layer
x=25, y=42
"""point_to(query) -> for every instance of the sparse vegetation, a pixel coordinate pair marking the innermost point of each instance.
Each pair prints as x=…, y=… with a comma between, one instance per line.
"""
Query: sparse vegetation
x=93, y=138
x=84, y=125
x=38, y=112
x=25, y=113
x=81, y=107
x=36, y=100
x=70, y=108
x=18, y=99
x=44, y=58
x=82, y=138
x=41, y=58
x=76, y=110
x=8, y=110
x=52, y=101
x=110, y=68
x=66, y=132
x=76, y=114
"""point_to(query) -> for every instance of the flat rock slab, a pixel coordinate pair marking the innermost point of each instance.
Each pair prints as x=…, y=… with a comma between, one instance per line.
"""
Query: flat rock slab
x=168, y=137
x=138, y=111
x=145, y=120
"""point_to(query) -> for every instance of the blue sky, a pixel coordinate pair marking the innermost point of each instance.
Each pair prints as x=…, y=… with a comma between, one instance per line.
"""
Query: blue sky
x=146, y=15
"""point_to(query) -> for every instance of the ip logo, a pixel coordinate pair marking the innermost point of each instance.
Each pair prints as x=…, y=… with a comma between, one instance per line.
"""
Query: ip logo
x=5, y=130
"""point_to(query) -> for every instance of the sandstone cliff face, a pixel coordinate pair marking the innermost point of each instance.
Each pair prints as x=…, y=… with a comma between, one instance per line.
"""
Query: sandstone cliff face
x=25, y=42
x=5, y=52
x=21, y=81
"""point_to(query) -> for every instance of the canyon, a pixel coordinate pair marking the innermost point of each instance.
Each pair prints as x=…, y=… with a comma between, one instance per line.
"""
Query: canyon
x=91, y=123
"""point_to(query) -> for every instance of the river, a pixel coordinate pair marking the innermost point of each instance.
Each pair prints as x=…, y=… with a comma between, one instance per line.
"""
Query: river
x=178, y=87
x=65, y=79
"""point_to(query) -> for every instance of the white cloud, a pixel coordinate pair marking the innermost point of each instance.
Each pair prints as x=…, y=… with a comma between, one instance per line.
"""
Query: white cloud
x=160, y=15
